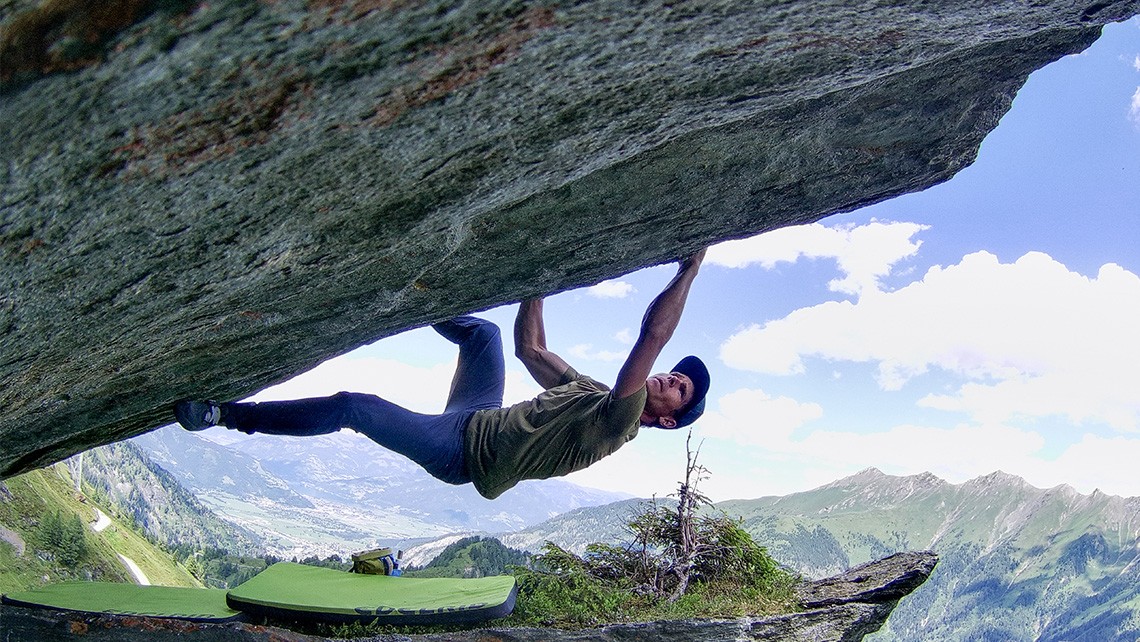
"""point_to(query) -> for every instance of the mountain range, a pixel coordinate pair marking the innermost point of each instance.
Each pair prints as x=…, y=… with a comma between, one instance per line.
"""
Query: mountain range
x=1017, y=563
x=337, y=493
x=123, y=478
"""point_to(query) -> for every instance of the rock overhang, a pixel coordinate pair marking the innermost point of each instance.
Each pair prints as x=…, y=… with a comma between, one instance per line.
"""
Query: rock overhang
x=209, y=199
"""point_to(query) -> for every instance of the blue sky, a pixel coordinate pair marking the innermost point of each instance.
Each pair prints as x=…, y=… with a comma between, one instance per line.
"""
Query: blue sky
x=988, y=323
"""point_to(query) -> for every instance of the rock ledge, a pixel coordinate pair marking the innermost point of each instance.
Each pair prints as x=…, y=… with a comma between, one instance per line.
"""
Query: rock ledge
x=843, y=608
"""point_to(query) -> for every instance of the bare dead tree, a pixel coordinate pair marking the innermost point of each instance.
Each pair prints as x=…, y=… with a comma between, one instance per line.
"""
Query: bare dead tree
x=672, y=548
x=689, y=500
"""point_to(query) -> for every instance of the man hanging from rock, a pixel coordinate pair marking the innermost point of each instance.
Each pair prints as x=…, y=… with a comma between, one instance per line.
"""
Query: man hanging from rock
x=575, y=422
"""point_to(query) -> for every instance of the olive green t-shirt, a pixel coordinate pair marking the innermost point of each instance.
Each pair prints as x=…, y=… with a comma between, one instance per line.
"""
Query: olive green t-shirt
x=564, y=429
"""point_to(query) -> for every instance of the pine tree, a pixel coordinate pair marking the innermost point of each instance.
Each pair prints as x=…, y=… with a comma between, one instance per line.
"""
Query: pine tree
x=50, y=531
x=192, y=566
x=73, y=542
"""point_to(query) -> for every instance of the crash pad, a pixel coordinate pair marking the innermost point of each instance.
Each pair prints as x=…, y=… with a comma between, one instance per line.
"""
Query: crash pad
x=297, y=591
x=194, y=604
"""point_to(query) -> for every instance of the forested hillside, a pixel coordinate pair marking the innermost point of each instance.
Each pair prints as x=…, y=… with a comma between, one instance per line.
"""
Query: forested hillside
x=124, y=478
x=1017, y=563
x=473, y=557
x=51, y=532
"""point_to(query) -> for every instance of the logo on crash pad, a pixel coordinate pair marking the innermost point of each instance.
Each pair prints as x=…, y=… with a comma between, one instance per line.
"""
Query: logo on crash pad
x=389, y=610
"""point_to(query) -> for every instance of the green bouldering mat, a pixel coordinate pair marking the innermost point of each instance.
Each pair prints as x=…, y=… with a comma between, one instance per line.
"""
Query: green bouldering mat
x=194, y=604
x=287, y=590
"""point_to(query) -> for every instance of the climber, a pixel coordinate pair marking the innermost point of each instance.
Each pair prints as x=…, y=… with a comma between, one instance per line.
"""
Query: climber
x=575, y=422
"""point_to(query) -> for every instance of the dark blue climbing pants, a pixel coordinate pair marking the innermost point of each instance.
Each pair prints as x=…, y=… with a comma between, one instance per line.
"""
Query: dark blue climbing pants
x=432, y=441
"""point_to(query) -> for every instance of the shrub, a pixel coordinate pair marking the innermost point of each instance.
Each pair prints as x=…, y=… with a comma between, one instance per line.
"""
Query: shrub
x=678, y=562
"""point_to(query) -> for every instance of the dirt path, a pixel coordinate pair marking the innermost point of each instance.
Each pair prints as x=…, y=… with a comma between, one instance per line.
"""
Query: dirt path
x=101, y=523
x=13, y=538
x=140, y=577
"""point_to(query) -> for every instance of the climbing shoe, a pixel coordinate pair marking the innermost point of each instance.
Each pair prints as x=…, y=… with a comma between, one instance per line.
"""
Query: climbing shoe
x=197, y=415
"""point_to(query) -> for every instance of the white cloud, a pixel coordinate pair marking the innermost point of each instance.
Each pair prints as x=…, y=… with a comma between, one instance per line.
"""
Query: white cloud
x=787, y=244
x=423, y=389
x=650, y=465
x=654, y=463
x=611, y=290
x=761, y=450
x=1134, y=110
x=625, y=336
x=865, y=253
x=1136, y=62
x=420, y=389
x=1030, y=339
x=955, y=454
x=587, y=352
x=786, y=463
x=749, y=416
x=1108, y=464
